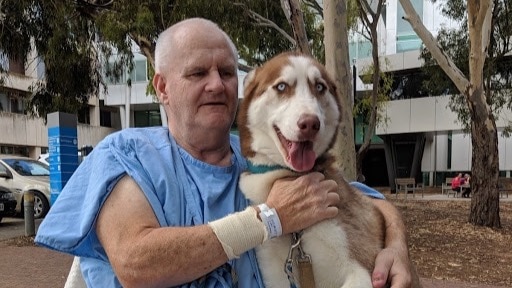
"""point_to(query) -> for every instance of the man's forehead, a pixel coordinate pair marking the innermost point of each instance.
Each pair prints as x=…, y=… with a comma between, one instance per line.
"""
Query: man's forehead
x=206, y=58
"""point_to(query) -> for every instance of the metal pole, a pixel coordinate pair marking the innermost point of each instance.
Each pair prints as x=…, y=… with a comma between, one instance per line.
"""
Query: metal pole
x=128, y=101
x=28, y=204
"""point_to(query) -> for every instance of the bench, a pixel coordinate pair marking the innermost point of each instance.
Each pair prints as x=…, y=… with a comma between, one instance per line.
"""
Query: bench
x=448, y=188
x=447, y=185
x=407, y=185
x=504, y=186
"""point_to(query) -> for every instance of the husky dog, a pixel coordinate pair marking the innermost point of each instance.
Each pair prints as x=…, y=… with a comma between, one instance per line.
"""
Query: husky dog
x=288, y=121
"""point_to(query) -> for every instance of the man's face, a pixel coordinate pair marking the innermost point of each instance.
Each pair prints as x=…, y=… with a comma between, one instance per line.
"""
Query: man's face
x=201, y=85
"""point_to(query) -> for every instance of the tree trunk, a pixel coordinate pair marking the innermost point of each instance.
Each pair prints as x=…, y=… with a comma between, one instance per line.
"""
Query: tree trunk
x=294, y=14
x=485, y=204
x=337, y=64
x=366, y=11
x=484, y=137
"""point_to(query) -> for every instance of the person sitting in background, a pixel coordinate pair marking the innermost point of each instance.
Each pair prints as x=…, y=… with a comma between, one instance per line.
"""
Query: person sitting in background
x=456, y=182
x=466, y=191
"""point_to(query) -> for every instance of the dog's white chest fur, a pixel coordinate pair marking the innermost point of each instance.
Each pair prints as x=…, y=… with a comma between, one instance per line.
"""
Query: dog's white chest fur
x=326, y=243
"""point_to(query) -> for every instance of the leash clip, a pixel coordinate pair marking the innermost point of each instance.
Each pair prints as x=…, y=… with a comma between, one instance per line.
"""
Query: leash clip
x=288, y=265
x=303, y=257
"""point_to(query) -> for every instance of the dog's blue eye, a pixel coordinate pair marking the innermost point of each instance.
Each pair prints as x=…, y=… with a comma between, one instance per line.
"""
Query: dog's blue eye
x=281, y=87
x=320, y=87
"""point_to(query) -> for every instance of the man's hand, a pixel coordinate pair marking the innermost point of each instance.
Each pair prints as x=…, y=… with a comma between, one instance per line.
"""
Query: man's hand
x=392, y=264
x=303, y=201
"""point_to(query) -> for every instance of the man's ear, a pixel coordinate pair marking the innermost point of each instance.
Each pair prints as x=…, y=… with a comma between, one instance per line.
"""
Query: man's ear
x=159, y=85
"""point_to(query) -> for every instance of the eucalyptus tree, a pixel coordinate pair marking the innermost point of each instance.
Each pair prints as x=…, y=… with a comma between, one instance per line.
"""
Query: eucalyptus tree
x=62, y=38
x=476, y=90
x=368, y=106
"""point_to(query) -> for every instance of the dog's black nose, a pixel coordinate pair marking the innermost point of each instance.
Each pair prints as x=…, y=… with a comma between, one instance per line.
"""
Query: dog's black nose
x=308, y=125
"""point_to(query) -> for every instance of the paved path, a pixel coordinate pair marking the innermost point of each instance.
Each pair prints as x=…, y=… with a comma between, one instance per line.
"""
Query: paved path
x=31, y=266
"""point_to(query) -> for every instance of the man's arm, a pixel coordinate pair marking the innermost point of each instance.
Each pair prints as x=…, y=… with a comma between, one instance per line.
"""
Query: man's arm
x=144, y=254
x=392, y=262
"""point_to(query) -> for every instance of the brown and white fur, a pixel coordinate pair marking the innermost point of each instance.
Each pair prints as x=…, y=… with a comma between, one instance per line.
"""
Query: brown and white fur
x=289, y=117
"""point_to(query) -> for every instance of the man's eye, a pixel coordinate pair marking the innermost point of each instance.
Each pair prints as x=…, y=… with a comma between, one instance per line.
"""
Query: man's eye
x=200, y=73
x=226, y=73
x=281, y=87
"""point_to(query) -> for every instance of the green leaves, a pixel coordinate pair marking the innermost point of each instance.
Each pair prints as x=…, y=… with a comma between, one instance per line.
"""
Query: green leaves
x=75, y=39
x=455, y=42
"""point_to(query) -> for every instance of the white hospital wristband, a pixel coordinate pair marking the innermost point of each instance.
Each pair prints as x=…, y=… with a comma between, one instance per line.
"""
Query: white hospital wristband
x=271, y=220
x=239, y=232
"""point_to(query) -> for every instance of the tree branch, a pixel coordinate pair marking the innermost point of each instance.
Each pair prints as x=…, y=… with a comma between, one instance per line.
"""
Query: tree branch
x=264, y=22
x=296, y=19
x=313, y=4
x=93, y=7
x=444, y=61
x=146, y=47
x=244, y=67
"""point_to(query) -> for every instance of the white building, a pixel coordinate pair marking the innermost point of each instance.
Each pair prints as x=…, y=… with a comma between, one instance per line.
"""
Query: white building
x=25, y=135
x=422, y=138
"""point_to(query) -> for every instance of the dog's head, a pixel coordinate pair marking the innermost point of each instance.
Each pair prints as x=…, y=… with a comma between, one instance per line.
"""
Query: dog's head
x=290, y=112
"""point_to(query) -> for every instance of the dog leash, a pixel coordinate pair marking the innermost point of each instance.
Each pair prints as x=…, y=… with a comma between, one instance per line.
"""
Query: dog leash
x=304, y=265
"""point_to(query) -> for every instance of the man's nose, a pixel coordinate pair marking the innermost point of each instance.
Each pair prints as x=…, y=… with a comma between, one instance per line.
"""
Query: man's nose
x=215, y=83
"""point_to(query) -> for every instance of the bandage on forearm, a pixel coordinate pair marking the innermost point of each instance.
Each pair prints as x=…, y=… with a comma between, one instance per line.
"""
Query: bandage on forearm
x=239, y=232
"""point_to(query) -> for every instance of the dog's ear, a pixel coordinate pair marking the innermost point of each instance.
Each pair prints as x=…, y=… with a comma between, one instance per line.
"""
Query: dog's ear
x=249, y=77
x=250, y=85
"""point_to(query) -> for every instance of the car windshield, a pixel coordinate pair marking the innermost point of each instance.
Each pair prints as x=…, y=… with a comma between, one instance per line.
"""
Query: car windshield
x=28, y=167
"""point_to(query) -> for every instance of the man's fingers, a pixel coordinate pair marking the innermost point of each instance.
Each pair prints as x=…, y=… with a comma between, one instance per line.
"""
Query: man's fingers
x=333, y=198
x=384, y=272
x=316, y=176
x=332, y=212
x=383, y=264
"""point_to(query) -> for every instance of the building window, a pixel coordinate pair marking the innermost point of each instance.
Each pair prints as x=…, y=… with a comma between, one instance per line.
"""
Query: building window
x=105, y=118
x=41, y=69
x=406, y=38
x=111, y=79
x=16, y=105
x=147, y=118
x=449, y=156
x=16, y=66
x=4, y=62
x=139, y=72
x=3, y=102
x=14, y=150
x=360, y=49
x=83, y=115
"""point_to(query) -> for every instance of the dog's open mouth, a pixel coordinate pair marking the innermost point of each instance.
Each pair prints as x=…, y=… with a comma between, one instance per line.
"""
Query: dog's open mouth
x=299, y=154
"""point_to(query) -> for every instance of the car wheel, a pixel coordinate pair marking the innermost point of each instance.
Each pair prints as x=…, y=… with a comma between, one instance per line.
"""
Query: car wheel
x=41, y=205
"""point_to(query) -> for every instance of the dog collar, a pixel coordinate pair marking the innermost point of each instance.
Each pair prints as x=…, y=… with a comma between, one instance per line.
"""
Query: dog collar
x=260, y=169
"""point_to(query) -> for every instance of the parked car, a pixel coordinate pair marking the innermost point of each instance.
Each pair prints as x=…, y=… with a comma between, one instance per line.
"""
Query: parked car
x=45, y=158
x=7, y=203
x=82, y=153
x=20, y=174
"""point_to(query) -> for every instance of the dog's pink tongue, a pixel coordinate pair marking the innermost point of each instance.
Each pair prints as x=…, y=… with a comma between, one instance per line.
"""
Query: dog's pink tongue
x=301, y=156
